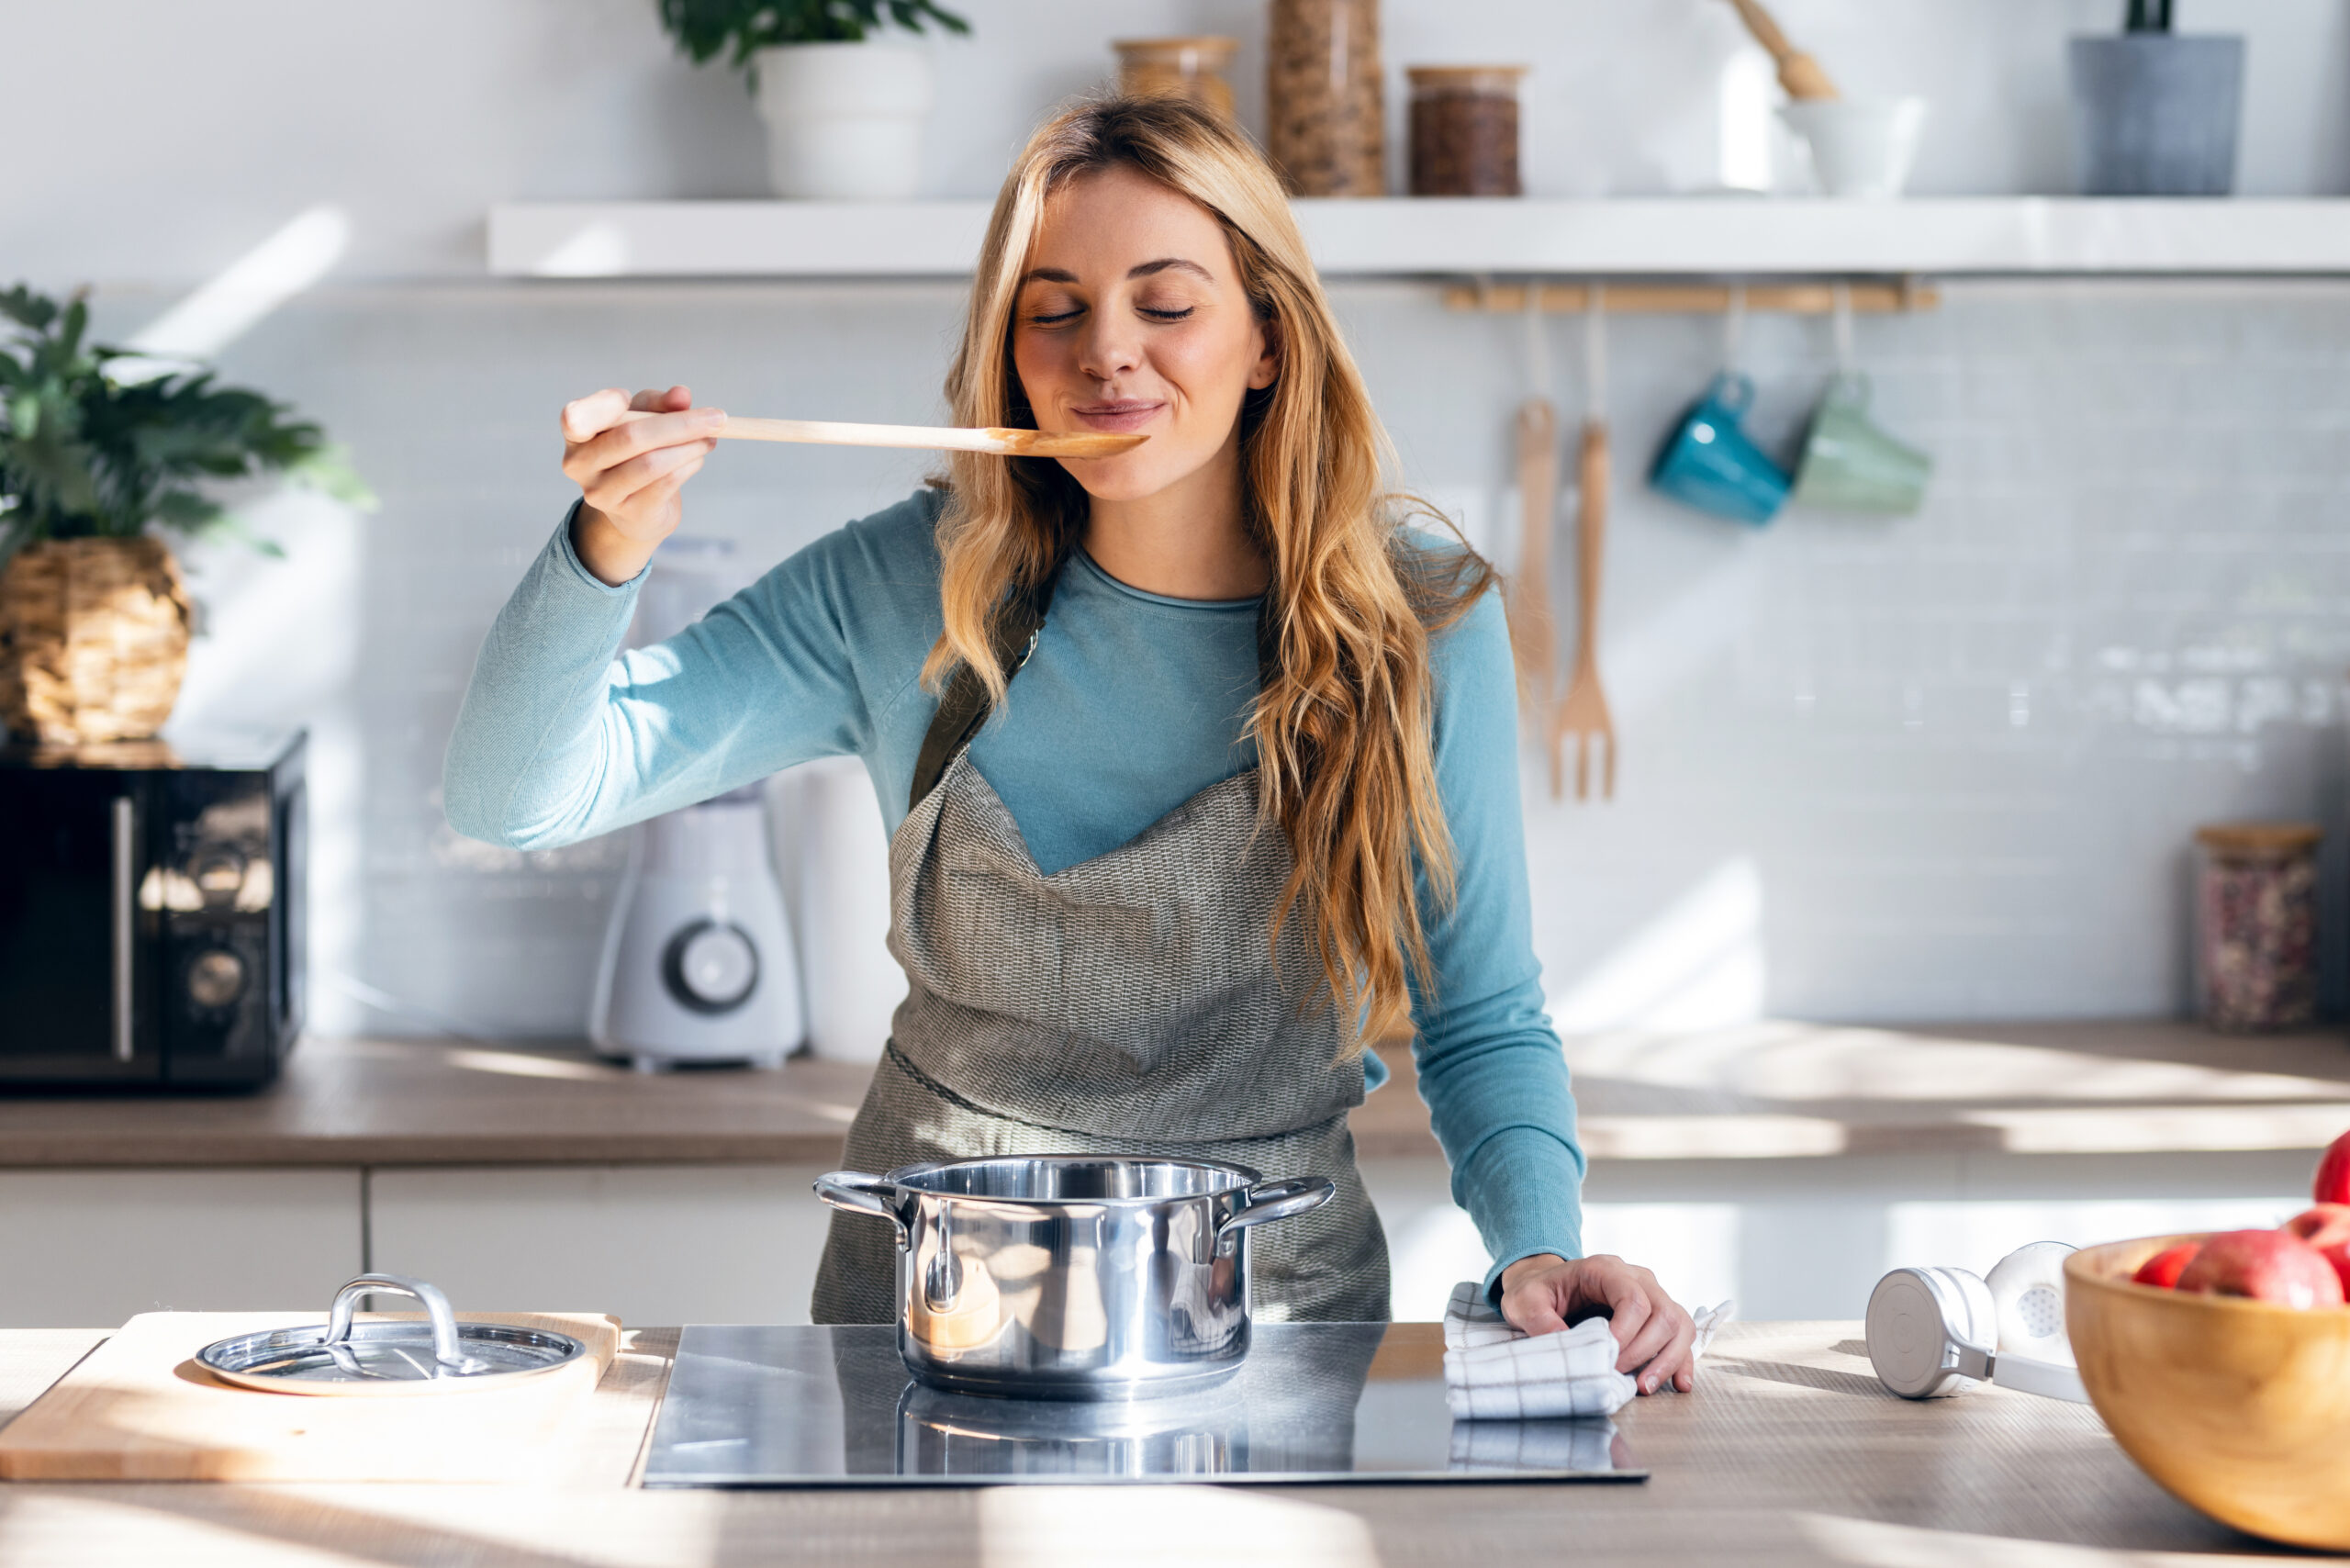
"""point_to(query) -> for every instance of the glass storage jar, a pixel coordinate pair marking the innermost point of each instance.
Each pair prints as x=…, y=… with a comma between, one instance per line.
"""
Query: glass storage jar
x=1189, y=68
x=1326, y=119
x=1464, y=129
x=2256, y=924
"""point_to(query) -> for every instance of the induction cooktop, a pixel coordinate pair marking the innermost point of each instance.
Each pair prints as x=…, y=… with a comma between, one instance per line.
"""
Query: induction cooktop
x=1313, y=1402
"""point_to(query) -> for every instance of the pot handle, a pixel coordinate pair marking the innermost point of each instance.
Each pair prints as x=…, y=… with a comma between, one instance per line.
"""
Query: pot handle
x=1279, y=1200
x=859, y=1193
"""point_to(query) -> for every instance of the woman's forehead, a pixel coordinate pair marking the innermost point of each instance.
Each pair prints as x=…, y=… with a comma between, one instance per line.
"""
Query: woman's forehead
x=1108, y=224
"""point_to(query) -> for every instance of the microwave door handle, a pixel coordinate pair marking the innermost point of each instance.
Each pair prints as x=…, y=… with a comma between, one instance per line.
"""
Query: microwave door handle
x=125, y=882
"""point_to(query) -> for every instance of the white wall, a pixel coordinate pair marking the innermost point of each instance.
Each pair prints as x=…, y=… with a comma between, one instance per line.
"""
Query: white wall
x=1939, y=767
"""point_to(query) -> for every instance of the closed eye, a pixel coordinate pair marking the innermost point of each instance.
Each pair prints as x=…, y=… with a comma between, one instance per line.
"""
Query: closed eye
x=1166, y=314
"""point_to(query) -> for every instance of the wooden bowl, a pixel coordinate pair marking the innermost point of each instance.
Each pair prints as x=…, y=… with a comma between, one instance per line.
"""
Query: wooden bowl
x=2239, y=1408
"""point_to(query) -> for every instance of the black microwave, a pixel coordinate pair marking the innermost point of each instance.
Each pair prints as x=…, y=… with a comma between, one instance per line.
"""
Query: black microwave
x=151, y=911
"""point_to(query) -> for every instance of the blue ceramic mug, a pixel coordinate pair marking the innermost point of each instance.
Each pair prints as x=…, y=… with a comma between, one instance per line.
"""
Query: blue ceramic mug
x=1709, y=463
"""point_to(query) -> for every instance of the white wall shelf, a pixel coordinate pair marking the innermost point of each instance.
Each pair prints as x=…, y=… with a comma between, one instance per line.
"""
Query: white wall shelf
x=1944, y=237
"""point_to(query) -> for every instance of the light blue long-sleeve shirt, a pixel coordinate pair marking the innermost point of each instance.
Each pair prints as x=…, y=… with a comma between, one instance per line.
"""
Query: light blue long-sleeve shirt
x=1131, y=705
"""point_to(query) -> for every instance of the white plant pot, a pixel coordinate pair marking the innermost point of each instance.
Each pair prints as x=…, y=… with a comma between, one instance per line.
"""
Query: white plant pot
x=1859, y=148
x=844, y=120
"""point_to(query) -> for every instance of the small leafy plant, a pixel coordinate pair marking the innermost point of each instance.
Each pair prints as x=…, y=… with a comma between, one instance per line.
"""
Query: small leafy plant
x=2148, y=16
x=96, y=443
x=705, y=28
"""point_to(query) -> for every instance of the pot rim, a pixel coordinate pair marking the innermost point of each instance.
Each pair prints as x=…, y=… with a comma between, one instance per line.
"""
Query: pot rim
x=905, y=1177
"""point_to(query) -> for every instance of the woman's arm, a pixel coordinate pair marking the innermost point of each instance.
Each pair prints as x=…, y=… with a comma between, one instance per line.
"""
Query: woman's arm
x=1490, y=1064
x=558, y=740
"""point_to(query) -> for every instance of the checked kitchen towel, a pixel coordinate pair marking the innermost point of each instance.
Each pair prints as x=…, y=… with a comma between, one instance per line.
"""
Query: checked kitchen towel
x=1493, y=1372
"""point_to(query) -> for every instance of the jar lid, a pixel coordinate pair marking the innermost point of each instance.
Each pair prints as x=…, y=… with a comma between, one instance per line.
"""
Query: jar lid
x=2258, y=840
x=1210, y=50
x=401, y=1357
x=1467, y=78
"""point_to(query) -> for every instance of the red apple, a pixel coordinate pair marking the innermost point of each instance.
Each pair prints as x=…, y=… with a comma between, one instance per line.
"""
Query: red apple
x=2165, y=1266
x=2264, y=1265
x=2332, y=1183
x=2327, y=1228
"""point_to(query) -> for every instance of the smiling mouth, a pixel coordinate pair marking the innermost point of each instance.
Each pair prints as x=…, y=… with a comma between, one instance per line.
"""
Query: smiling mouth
x=1124, y=414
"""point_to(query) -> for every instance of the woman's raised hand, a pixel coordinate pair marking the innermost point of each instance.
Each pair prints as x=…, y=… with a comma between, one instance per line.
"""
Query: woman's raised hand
x=1654, y=1334
x=630, y=456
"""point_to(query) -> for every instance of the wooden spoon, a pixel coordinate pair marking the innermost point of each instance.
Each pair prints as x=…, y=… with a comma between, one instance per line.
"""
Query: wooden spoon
x=1799, y=73
x=993, y=438
x=997, y=439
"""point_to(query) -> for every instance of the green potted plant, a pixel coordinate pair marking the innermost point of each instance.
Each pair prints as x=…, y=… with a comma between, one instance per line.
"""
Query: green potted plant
x=843, y=110
x=101, y=455
x=2154, y=113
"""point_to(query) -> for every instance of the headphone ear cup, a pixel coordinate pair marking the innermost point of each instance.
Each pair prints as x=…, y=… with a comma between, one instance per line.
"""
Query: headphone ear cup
x=2028, y=1296
x=1915, y=1315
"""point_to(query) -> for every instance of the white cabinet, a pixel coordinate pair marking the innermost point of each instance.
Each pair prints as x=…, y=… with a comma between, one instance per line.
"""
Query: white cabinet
x=88, y=1249
x=654, y=1244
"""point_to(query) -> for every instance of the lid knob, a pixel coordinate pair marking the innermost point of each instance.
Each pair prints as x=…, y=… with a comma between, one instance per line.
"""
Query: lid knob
x=445, y=1349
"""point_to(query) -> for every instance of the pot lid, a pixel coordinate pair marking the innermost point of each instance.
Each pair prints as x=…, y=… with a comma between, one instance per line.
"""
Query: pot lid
x=344, y=1357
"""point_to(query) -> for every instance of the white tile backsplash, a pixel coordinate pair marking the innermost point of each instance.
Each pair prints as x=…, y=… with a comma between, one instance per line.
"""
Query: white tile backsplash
x=1936, y=767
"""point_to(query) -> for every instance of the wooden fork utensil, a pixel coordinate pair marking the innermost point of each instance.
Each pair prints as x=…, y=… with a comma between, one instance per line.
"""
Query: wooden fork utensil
x=1584, y=713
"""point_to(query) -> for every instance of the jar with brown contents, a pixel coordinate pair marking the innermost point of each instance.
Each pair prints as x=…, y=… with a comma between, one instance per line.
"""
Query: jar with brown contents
x=1189, y=68
x=1464, y=130
x=2257, y=936
x=1325, y=120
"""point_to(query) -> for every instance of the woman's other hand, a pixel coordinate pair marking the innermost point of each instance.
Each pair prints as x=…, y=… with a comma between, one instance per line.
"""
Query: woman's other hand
x=1655, y=1335
x=630, y=456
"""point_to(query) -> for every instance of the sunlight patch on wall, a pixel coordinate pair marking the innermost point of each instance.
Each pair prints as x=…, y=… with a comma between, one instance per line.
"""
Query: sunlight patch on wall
x=1698, y=965
x=225, y=307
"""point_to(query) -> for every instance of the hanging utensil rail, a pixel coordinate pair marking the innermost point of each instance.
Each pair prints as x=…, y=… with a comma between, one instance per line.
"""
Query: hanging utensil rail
x=1895, y=296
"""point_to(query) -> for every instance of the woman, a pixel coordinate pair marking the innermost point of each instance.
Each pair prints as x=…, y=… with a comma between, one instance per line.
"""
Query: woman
x=1251, y=799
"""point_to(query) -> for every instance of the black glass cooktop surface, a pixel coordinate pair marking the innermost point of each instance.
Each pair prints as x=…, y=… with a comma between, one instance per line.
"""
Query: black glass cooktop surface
x=1319, y=1402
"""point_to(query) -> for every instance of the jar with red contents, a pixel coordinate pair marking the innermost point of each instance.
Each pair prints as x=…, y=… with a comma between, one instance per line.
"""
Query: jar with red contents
x=2256, y=925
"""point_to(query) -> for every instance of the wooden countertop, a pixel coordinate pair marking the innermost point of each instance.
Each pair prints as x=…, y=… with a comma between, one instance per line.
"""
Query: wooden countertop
x=1769, y=1089
x=1789, y=1452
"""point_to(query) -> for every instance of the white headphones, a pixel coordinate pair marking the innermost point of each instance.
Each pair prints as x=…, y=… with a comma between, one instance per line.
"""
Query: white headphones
x=1933, y=1332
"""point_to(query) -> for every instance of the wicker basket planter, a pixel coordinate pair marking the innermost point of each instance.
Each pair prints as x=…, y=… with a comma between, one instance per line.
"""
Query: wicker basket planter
x=93, y=639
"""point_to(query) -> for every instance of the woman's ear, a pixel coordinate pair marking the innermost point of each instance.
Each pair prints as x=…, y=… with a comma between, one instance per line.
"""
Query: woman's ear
x=1268, y=368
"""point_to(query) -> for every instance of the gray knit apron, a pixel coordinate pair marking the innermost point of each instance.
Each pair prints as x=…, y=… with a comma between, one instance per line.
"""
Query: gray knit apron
x=1130, y=1004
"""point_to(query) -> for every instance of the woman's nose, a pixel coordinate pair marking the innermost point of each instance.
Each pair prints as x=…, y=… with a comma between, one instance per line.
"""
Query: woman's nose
x=1111, y=345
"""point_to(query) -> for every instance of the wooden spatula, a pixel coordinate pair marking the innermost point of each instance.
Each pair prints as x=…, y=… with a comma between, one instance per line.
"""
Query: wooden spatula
x=992, y=438
x=1533, y=628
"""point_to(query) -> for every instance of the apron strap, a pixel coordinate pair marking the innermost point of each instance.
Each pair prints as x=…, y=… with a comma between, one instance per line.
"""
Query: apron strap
x=964, y=707
x=1021, y=620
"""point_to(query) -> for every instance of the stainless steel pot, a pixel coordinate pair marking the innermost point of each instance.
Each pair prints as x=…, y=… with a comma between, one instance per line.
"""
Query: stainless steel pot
x=1073, y=1276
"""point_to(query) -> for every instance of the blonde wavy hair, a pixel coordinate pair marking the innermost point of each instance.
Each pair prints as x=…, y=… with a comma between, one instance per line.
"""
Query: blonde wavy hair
x=1343, y=722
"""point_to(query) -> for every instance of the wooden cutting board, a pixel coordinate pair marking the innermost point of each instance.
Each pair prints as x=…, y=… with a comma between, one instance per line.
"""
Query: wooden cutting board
x=138, y=1409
